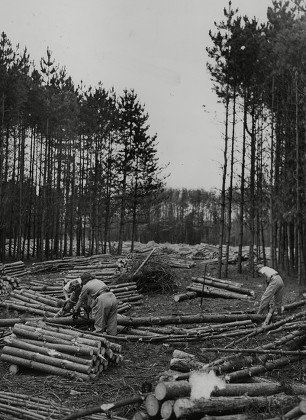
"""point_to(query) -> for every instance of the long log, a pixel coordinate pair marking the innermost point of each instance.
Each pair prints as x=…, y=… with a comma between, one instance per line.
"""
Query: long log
x=50, y=338
x=10, y=322
x=65, y=348
x=216, y=292
x=259, y=369
x=105, y=407
x=53, y=370
x=188, y=319
x=179, y=389
x=256, y=351
x=22, y=329
x=47, y=360
x=32, y=304
x=48, y=352
x=195, y=409
x=228, y=417
x=24, y=308
x=226, y=286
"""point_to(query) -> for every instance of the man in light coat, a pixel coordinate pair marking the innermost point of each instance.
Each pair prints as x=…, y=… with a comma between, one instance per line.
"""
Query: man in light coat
x=274, y=290
x=104, y=304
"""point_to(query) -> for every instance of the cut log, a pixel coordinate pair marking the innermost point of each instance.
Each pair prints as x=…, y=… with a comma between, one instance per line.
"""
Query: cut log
x=195, y=409
x=229, y=417
x=188, y=319
x=172, y=390
x=186, y=365
x=179, y=389
x=141, y=415
x=259, y=369
x=152, y=405
x=182, y=354
x=166, y=410
x=185, y=296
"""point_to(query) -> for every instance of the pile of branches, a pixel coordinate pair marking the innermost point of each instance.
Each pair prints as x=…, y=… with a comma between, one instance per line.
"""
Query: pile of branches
x=152, y=273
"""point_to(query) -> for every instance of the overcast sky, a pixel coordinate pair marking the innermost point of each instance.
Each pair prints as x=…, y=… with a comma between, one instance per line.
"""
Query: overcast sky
x=157, y=48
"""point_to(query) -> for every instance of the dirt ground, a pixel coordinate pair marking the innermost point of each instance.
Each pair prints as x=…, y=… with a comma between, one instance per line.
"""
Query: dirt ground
x=143, y=362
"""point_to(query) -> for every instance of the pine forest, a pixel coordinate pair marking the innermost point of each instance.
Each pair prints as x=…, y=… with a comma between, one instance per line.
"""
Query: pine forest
x=80, y=169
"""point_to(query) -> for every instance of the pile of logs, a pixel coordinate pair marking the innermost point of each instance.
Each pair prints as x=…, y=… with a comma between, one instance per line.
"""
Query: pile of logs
x=212, y=287
x=8, y=283
x=21, y=406
x=75, y=263
x=205, y=391
x=17, y=269
x=59, y=350
x=45, y=303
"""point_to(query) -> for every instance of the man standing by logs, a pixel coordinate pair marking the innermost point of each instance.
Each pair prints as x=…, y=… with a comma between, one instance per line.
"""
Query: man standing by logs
x=104, y=304
x=274, y=290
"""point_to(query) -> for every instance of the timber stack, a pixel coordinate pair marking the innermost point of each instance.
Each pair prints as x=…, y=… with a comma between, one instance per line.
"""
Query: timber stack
x=46, y=302
x=8, y=283
x=15, y=269
x=59, y=350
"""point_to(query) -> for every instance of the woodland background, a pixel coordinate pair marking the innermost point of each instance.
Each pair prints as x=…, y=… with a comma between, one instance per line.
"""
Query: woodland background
x=79, y=170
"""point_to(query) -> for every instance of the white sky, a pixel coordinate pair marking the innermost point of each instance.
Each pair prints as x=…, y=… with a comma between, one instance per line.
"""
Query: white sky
x=157, y=48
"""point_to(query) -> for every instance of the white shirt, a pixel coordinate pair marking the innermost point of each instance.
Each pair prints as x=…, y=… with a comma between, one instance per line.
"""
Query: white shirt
x=268, y=272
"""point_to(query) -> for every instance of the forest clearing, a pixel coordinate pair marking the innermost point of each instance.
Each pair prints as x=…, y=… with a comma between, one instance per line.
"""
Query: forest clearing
x=163, y=340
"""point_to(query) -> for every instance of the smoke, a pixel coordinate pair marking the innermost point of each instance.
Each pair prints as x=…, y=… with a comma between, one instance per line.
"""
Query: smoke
x=203, y=383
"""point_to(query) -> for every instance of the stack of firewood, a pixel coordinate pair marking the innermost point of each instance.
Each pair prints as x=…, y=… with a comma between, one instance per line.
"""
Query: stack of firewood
x=8, y=283
x=17, y=269
x=212, y=287
x=60, y=350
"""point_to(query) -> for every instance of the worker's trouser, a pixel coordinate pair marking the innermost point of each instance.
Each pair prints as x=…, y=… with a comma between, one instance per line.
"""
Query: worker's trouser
x=274, y=290
x=104, y=312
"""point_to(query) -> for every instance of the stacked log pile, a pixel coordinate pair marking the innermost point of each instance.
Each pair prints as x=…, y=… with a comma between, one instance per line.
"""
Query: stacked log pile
x=32, y=301
x=60, y=350
x=212, y=287
x=8, y=283
x=45, y=302
x=75, y=263
x=21, y=406
x=15, y=269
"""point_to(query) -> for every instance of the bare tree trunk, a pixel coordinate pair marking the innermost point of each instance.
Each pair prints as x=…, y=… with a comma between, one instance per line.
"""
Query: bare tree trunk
x=223, y=190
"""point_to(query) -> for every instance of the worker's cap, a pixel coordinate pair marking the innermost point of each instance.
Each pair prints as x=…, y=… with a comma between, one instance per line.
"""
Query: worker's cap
x=86, y=277
x=259, y=267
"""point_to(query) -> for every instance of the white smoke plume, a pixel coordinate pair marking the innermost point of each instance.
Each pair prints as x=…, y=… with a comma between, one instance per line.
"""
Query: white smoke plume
x=203, y=383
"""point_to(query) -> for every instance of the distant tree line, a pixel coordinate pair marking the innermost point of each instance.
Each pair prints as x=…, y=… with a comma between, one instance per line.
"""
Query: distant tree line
x=79, y=170
x=259, y=75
